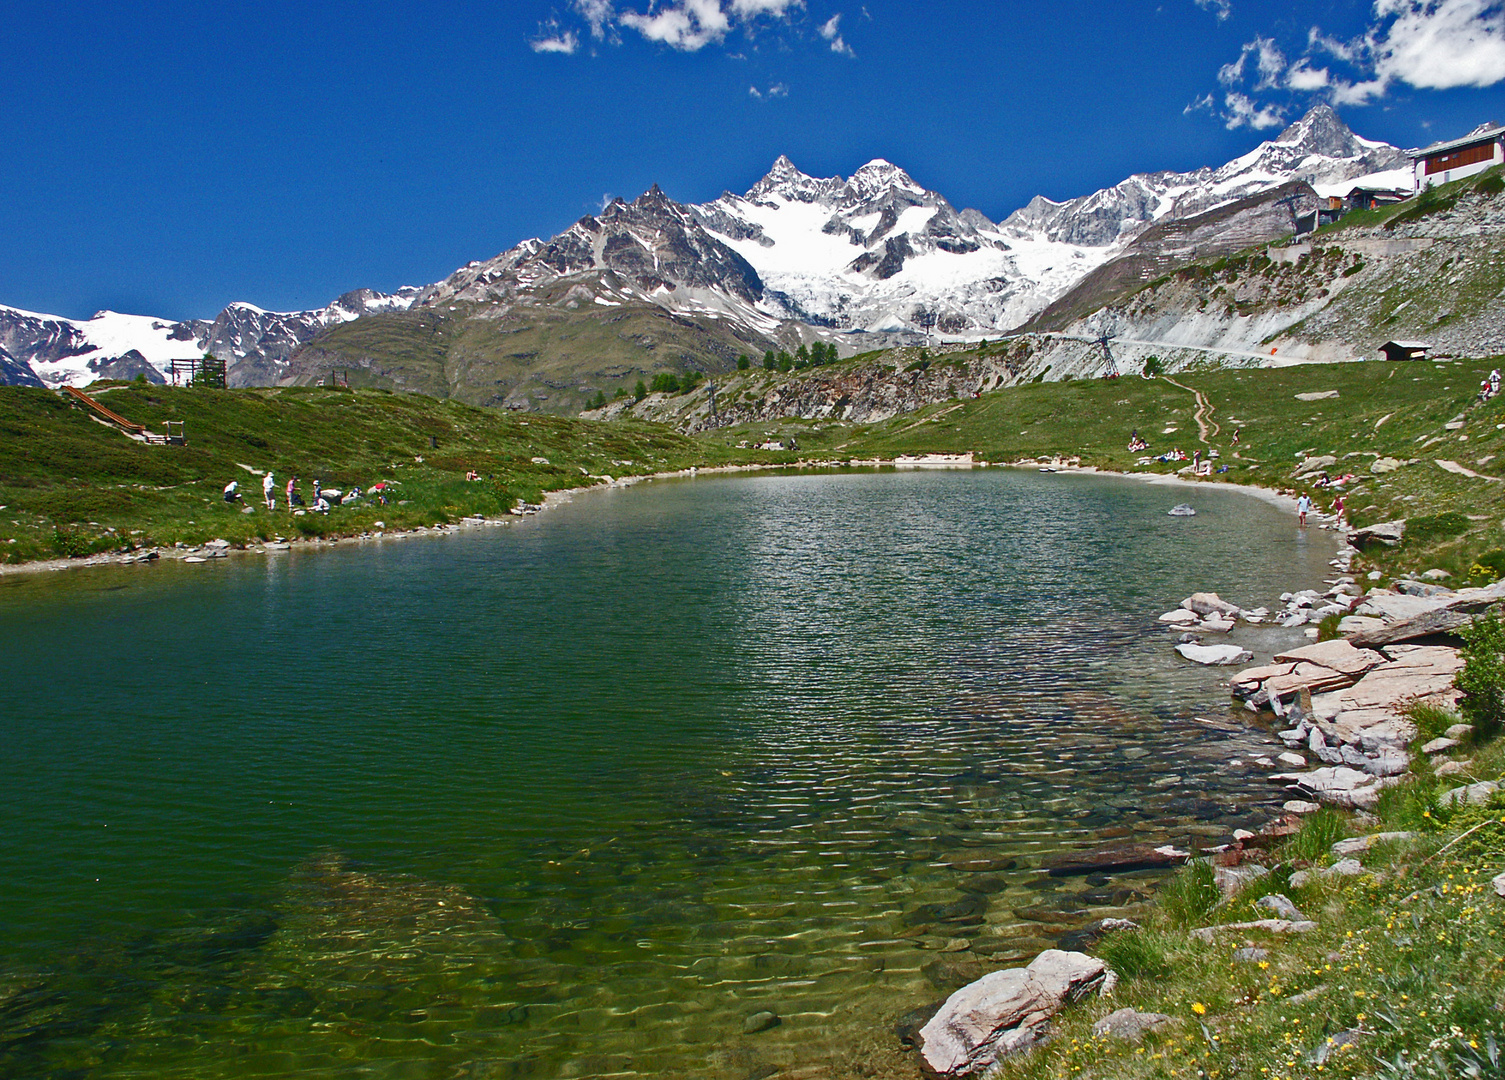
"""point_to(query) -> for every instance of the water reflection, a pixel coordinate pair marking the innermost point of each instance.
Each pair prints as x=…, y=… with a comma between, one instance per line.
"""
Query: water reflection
x=582, y=796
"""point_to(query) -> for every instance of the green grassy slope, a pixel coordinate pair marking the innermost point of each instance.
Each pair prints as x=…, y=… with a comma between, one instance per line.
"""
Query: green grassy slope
x=70, y=485
x=546, y=357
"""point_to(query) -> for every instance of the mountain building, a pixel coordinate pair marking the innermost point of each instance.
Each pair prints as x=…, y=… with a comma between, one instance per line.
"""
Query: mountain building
x=1444, y=162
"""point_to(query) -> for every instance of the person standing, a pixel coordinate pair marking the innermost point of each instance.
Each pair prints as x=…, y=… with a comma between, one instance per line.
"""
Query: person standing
x=269, y=485
x=1303, y=506
x=292, y=483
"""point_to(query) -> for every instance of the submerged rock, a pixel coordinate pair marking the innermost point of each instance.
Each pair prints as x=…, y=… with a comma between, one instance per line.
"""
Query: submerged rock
x=1181, y=510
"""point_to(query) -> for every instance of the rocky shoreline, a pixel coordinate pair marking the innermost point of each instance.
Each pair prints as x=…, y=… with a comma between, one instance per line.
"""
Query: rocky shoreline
x=1344, y=704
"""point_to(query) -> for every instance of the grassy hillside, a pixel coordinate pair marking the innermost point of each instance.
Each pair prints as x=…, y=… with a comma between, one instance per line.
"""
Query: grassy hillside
x=545, y=357
x=1381, y=410
x=70, y=485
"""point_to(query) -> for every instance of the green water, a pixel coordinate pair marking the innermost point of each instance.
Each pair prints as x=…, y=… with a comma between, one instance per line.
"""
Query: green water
x=576, y=796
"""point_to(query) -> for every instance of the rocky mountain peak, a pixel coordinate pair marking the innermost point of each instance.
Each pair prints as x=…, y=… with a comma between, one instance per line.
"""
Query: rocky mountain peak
x=879, y=175
x=1320, y=131
x=787, y=182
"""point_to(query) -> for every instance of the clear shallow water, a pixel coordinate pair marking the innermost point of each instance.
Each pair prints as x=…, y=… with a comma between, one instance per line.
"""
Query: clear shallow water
x=577, y=796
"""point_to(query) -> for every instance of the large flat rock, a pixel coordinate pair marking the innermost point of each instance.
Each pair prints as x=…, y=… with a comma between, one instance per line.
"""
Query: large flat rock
x=1338, y=654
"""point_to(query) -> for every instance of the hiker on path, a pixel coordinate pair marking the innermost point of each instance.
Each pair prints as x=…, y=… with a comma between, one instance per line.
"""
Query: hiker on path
x=1303, y=505
x=268, y=485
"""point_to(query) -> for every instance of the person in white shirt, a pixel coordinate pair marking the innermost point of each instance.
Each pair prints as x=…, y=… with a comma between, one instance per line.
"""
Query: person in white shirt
x=1303, y=505
x=268, y=485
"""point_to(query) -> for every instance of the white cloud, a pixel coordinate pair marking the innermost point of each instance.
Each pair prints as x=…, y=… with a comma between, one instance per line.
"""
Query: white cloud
x=556, y=42
x=687, y=25
x=746, y=9
x=599, y=14
x=1303, y=77
x=1243, y=111
x=1205, y=103
x=831, y=31
x=1440, y=44
x=1221, y=8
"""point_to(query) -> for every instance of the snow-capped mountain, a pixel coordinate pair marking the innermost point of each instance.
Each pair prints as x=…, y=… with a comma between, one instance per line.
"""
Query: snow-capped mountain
x=856, y=260
x=255, y=343
x=879, y=252
x=1319, y=148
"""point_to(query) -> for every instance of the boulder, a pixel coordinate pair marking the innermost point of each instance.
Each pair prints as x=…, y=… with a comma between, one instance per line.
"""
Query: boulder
x=1231, y=879
x=1180, y=617
x=1128, y=1024
x=1357, y=845
x=1120, y=858
x=1459, y=731
x=1279, y=905
x=1383, y=465
x=1471, y=794
x=1438, y=745
x=1273, y=926
x=760, y=1021
x=1338, y=655
x=1208, y=603
x=1004, y=1012
x=1452, y=768
x=1345, y=868
x=1215, y=654
x=1498, y=884
x=1337, y=785
x=1300, y=806
x=1384, y=532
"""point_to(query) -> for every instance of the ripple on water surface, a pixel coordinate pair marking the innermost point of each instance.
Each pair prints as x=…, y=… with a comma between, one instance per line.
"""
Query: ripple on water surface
x=581, y=796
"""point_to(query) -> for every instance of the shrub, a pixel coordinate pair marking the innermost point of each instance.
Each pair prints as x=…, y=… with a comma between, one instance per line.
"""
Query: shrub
x=1154, y=367
x=743, y=363
x=665, y=382
x=1430, y=720
x=1134, y=955
x=1482, y=679
x=1189, y=897
x=640, y=392
x=1318, y=834
x=1327, y=629
x=770, y=361
x=1488, y=568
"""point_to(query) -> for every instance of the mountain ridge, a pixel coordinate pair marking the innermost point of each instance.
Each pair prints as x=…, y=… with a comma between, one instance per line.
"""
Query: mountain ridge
x=861, y=261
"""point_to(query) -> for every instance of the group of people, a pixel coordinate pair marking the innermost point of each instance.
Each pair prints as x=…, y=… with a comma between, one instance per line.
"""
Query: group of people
x=1490, y=387
x=321, y=496
x=1137, y=443
x=1305, y=505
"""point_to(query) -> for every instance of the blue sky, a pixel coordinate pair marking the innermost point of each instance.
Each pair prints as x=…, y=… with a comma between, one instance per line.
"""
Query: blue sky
x=166, y=158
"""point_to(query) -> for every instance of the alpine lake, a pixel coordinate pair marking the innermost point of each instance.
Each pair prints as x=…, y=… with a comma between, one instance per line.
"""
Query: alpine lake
x=585, y=794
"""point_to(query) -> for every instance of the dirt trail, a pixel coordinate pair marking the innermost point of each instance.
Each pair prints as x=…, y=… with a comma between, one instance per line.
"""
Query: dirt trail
x=1203, y=415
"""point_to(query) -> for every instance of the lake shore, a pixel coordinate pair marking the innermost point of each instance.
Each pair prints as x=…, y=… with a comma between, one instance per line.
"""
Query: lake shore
x=209, y=551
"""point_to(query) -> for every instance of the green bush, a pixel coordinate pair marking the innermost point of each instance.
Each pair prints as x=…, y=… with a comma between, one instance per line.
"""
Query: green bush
x=1189, y=897
x=1318, y=834
x=640, y=392
x=743, y=363
x=1154, y=367
x=665, y=382
x=1134, y=955
x=1488, y=568
x=1482, y=679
